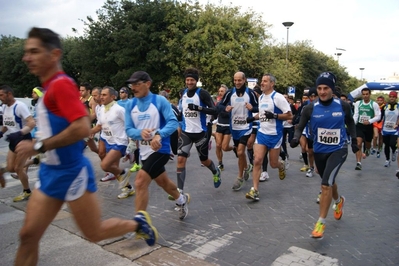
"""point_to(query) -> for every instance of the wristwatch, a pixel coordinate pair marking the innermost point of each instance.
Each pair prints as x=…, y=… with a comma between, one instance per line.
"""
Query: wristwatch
x=38, y=146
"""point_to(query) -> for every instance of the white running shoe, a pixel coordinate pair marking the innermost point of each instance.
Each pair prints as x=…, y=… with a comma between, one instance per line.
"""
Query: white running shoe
x=264, y=176
x=108, y=177
x=310, y=172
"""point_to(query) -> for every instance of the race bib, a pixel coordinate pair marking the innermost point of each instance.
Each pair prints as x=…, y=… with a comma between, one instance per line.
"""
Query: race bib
x=239, y=120
x=107, y=131
x=389, y=125
x=328, y=136
x=189, y=114
x=363, y=118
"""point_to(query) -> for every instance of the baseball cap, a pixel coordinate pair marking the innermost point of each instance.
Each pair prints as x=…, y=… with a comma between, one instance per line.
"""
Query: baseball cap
x=394, y=94
x=139, y=76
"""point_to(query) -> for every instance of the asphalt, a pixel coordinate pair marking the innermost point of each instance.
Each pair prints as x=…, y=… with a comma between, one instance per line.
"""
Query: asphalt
x=223, y=227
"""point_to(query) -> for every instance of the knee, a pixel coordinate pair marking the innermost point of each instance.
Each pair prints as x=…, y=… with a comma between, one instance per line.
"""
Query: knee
x=226, y=146
x=139, y=182
x=240, y=152
x=325, y=187
x=28, y=236
x=219, y=145
x=258, y=160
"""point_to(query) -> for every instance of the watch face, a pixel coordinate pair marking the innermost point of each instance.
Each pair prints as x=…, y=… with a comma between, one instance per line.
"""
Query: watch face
x=38, y=145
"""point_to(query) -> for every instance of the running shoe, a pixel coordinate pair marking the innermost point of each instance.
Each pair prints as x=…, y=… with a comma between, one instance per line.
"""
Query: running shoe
x=310, y=172
x=128, y=156
x=281, y=171
x=304, y=168
x=339, y=208
x=171, y=157
x=252, y=194
x=387, y=163
x=126, y=192
x=135, y=167
x=22, y=196
x=318, y=231
x=264, y=176
x=221, y=167
x=145, y=229
x=14, y=175
x=108, y=177
x=372, y=152
x=393, y=158
x=124, y=179
x=378, y=154
x=184, y=207
x=318, y=198
x=363, y=156
x=300, y=156
x=367, y=152
x=287, y=164
x=358, y=166
x=216, y=178
x=248, y=171
x=397, y=173
x=209, y=145
x=238, y=184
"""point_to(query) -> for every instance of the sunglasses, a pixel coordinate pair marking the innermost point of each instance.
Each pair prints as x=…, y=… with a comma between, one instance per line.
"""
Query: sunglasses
x=131, y=85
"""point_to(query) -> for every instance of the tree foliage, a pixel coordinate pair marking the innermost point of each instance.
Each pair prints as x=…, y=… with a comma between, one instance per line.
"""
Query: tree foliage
x=164, y=37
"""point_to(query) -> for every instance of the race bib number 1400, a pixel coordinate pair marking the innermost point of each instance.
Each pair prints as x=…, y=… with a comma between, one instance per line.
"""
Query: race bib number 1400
x=328, y=136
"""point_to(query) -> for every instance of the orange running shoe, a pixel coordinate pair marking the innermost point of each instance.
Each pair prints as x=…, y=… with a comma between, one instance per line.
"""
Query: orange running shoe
x=318, y=231
x=339, y=208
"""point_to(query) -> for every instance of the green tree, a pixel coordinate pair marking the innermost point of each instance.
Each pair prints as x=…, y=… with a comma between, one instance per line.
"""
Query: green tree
x=13, y=70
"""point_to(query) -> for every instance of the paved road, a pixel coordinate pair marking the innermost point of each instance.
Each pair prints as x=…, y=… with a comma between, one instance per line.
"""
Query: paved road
x=224, y=228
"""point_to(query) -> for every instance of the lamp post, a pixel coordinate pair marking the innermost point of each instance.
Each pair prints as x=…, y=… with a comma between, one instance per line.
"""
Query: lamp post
x=338, y=54
x=361, y=73
x=287, y=25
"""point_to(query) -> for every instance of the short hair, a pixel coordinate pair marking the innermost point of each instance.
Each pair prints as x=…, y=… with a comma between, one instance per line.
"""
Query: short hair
x=224, y=86
x=87, y=86
x=191, y=71
x=243, y=74
x=96, y=88
x=111, y=90
x=50, y=40
x=271, y=77
x=366, y=89
x=7, y=89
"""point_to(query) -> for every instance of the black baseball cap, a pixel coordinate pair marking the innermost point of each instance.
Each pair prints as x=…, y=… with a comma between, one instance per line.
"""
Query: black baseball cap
x=139, y=76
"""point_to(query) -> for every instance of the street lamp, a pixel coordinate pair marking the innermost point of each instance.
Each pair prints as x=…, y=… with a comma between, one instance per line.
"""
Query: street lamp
x=338, y=54
x=361, y=73
x=287, y=25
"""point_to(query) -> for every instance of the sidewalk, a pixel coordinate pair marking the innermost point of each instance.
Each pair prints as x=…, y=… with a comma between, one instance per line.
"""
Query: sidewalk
x=224, y=228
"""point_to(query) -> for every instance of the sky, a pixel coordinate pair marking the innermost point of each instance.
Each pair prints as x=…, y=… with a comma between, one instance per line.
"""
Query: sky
x=367, y=30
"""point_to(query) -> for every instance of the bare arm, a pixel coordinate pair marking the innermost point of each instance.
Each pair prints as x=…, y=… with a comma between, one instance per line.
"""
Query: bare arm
x=29, y=125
